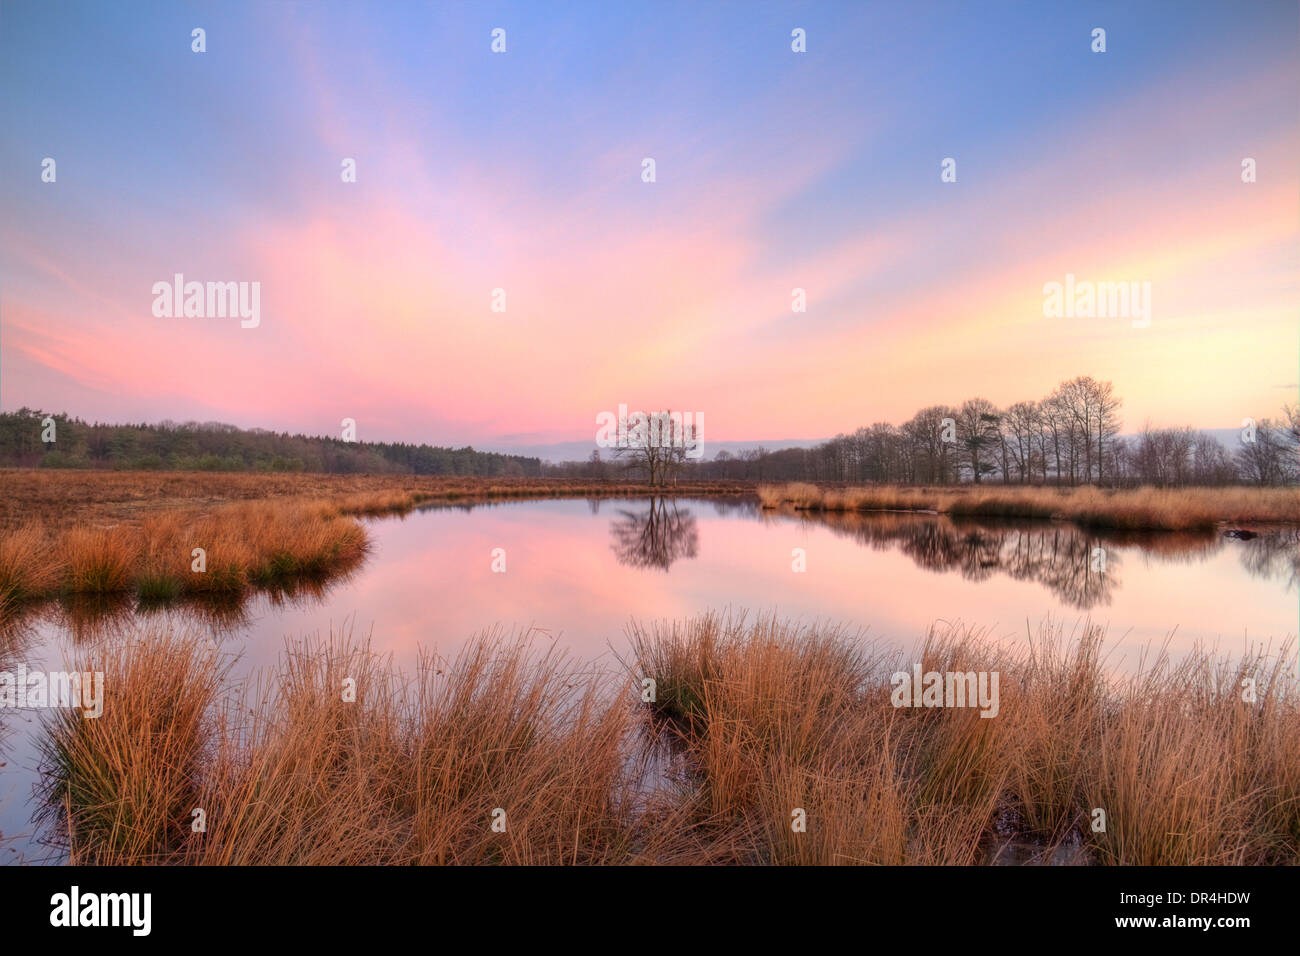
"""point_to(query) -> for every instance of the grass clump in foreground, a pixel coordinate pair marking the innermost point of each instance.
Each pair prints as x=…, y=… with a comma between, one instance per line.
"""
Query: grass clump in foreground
x=776, y=718
x=760, y=720
x=123, y=783
x=1133, y=509
x=289, y=772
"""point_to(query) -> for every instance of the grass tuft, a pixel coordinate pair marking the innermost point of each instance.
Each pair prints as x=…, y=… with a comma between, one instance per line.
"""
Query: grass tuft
x=777, y=744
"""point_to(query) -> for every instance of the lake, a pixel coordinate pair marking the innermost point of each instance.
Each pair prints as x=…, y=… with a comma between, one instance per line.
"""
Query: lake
x=578, y=570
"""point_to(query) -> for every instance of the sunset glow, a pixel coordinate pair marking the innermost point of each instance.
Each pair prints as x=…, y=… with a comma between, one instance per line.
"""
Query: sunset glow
x=522, y=172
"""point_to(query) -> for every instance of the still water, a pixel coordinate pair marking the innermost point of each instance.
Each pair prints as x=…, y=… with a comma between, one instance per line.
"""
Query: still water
x=578, y=570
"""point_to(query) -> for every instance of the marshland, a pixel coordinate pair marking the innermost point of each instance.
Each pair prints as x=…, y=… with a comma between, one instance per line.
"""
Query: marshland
x=515, y=682
x=633, y=406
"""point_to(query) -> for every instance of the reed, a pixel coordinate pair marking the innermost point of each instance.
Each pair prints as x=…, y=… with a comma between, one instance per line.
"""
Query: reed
x=98, y=560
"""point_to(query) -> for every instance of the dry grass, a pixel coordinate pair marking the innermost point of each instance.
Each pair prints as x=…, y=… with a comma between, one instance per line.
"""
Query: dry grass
x=776, y=718
x=28, y=569
x=1138, y=509
x=124, y=783
x=61, y=499
x=803, y=495
x=75, y=533
x=763, y=719
x=98, y=560
x=879, y=498
x=1189, y=774
x=247, y=544
x=773, y=719
x=378, y=503
x=289, y=772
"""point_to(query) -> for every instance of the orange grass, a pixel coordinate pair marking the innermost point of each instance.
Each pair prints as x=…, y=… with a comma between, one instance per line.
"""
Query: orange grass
x=244, y=544
x=28, y=566
x=123, y=784
x=777, y=718
x=766, y=722
x=1136, y=509
x=289, y=772
x=61, y=499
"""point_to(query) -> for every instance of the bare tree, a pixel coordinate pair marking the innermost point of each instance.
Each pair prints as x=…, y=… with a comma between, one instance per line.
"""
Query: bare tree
x=933, y=458
x=1211, y=463
x=1164, y=456
x=1020, y=426
x=1291, y=435
x=978, y=434
x=1058, y=435
x=1264, y=457
x=1071, y=436
x=1106, y=405
x=658, y=444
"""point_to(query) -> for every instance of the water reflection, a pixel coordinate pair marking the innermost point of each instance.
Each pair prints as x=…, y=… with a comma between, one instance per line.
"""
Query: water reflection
x=1059, y=557
x=1274, y=554
x=582, y=568
x=88, y=618
x=1080, y=567
x=655, y=536
x=15, y=642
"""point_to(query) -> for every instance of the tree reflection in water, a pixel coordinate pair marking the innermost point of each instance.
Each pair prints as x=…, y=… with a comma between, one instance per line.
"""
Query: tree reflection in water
x=1274, y=554
x=1061, y=557
x=654, y=536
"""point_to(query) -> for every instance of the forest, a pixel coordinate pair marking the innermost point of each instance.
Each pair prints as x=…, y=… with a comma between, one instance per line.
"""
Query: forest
x=213, y=446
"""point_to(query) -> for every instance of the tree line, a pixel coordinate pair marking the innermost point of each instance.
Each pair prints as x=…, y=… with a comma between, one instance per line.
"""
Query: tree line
x=213, y=446
x=1070, y=437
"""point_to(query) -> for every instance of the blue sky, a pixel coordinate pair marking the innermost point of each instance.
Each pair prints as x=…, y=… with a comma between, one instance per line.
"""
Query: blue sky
x=521, y=171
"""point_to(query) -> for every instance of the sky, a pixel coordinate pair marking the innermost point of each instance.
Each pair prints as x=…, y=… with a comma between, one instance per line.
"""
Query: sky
x=522, y=171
